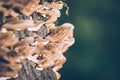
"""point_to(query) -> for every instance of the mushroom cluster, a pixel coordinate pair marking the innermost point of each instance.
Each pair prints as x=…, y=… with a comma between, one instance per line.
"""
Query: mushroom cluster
x=29, y=32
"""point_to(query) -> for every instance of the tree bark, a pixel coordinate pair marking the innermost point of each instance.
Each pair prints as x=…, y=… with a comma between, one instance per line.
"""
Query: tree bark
x=28, y=72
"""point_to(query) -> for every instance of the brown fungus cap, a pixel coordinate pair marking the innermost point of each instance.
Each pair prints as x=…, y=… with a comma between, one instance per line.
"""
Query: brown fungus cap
x=21, y=36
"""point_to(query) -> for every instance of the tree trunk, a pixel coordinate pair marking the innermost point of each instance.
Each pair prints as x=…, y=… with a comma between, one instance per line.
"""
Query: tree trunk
x=28, y=72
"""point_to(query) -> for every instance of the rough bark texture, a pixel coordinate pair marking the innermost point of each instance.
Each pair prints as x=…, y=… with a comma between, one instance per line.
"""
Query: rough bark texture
x=28, y=72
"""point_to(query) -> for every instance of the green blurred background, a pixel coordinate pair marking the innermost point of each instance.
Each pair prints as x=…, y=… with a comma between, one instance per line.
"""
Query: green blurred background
x=96, y=52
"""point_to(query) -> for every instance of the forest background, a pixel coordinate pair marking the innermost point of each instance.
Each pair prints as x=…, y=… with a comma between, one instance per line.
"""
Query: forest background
x=96, y=52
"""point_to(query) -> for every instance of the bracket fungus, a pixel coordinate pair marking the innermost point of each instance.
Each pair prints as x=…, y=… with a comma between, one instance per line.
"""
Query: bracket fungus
x=28, y=31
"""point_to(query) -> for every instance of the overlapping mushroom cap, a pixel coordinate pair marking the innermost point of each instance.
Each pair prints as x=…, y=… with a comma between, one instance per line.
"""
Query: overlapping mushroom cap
x=21, y=36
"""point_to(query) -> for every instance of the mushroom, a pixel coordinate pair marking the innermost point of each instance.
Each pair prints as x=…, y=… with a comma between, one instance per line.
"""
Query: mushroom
x=9, y=70
x=23, y=47
x=52, y=13
x=30, y=7
x=36, y=26
x=8, y=64
x=42, y=42
x=55, y=5
x=58, y=34
x=45, y=51
x=46, y=61
x=8, y=39
x=19, y=24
